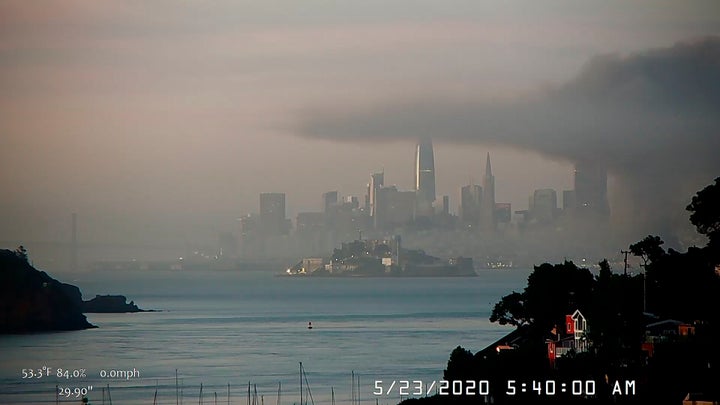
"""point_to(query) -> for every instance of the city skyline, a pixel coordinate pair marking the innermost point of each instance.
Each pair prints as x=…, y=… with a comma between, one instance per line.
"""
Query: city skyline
x=162, y=123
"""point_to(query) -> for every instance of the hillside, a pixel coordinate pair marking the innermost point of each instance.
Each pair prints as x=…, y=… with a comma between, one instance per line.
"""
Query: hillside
x=32, y=301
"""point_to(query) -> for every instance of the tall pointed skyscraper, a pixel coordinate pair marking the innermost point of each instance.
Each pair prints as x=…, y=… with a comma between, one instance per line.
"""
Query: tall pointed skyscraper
x=425, y=177
x=487, y=208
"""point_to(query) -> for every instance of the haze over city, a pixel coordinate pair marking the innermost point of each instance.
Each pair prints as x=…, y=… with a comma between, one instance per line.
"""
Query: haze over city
x=162, y=122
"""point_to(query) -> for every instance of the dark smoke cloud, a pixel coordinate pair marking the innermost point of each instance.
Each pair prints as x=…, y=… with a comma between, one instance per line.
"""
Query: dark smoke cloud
x=652, y=117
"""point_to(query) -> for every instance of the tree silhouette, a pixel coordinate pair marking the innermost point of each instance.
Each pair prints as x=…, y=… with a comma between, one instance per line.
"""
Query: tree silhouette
x=705, y=209
x=553, y=290
x=510, y=310
x=22, y=253
x=648, y=249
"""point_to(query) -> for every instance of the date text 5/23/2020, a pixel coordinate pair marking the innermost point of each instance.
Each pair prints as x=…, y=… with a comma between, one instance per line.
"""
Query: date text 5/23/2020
x=417, y=388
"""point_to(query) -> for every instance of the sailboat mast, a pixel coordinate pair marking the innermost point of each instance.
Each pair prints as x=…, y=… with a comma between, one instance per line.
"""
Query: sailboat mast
x=278, y=395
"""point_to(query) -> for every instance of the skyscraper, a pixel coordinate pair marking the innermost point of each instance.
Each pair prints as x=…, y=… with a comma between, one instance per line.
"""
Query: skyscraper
x=394, y=208
x=470, y=203
x=543, y=208
x=377, y=180
x=487, y=209
x=272, y=214
x=425, y=177
x=591, y=201
x=330, y=200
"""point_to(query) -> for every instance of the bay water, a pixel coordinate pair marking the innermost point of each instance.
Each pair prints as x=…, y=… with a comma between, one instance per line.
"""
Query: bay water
x=228, y=331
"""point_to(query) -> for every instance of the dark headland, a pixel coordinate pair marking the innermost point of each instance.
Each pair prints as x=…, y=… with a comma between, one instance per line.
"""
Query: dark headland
x=32, y=301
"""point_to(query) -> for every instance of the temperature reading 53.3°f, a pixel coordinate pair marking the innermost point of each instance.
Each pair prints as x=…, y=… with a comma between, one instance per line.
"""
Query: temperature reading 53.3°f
x=37, y=373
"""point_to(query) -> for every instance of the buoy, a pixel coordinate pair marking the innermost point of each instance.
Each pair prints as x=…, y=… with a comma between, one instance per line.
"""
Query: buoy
x=309, y=325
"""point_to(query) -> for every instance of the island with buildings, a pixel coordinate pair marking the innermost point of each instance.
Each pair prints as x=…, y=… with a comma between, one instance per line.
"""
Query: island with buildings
x=381, y=258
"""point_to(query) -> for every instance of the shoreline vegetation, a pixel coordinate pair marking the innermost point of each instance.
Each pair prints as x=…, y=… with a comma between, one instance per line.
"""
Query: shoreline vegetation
x=647, y=338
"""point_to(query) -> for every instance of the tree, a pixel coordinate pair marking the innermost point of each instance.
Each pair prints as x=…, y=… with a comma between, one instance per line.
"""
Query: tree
x=510, y=310
x=705, y=209
x=22, y=253
x=648, y=249
x=552, y=292
x=460, y=365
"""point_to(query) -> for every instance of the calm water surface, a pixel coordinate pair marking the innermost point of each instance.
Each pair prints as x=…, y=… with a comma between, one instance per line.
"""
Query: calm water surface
x=220, y=328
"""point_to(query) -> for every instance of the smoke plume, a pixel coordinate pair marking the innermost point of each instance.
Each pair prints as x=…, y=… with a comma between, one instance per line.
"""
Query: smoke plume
x=653, y=118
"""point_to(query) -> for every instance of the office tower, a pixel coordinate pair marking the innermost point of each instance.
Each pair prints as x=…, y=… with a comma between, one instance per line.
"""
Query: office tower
x=487, y=215
x=544, y=206
x=503, y=213
x=272, y=214
x=591, y=190
x=425, y=177
x=330, y=200
x=377, y=180
x=310, y=223
x=446, y=205
x=349, y=219
x=568, y=204
x=470, y=202
x=394, y=208
x=352, y=201
x=250, y=236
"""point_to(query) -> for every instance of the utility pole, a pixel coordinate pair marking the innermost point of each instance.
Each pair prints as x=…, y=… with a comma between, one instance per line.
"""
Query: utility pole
x=625, y=252
x=73, y=245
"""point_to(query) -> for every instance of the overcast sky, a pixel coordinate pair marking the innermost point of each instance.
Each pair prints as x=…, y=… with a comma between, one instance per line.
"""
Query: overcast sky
x=166, y=119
